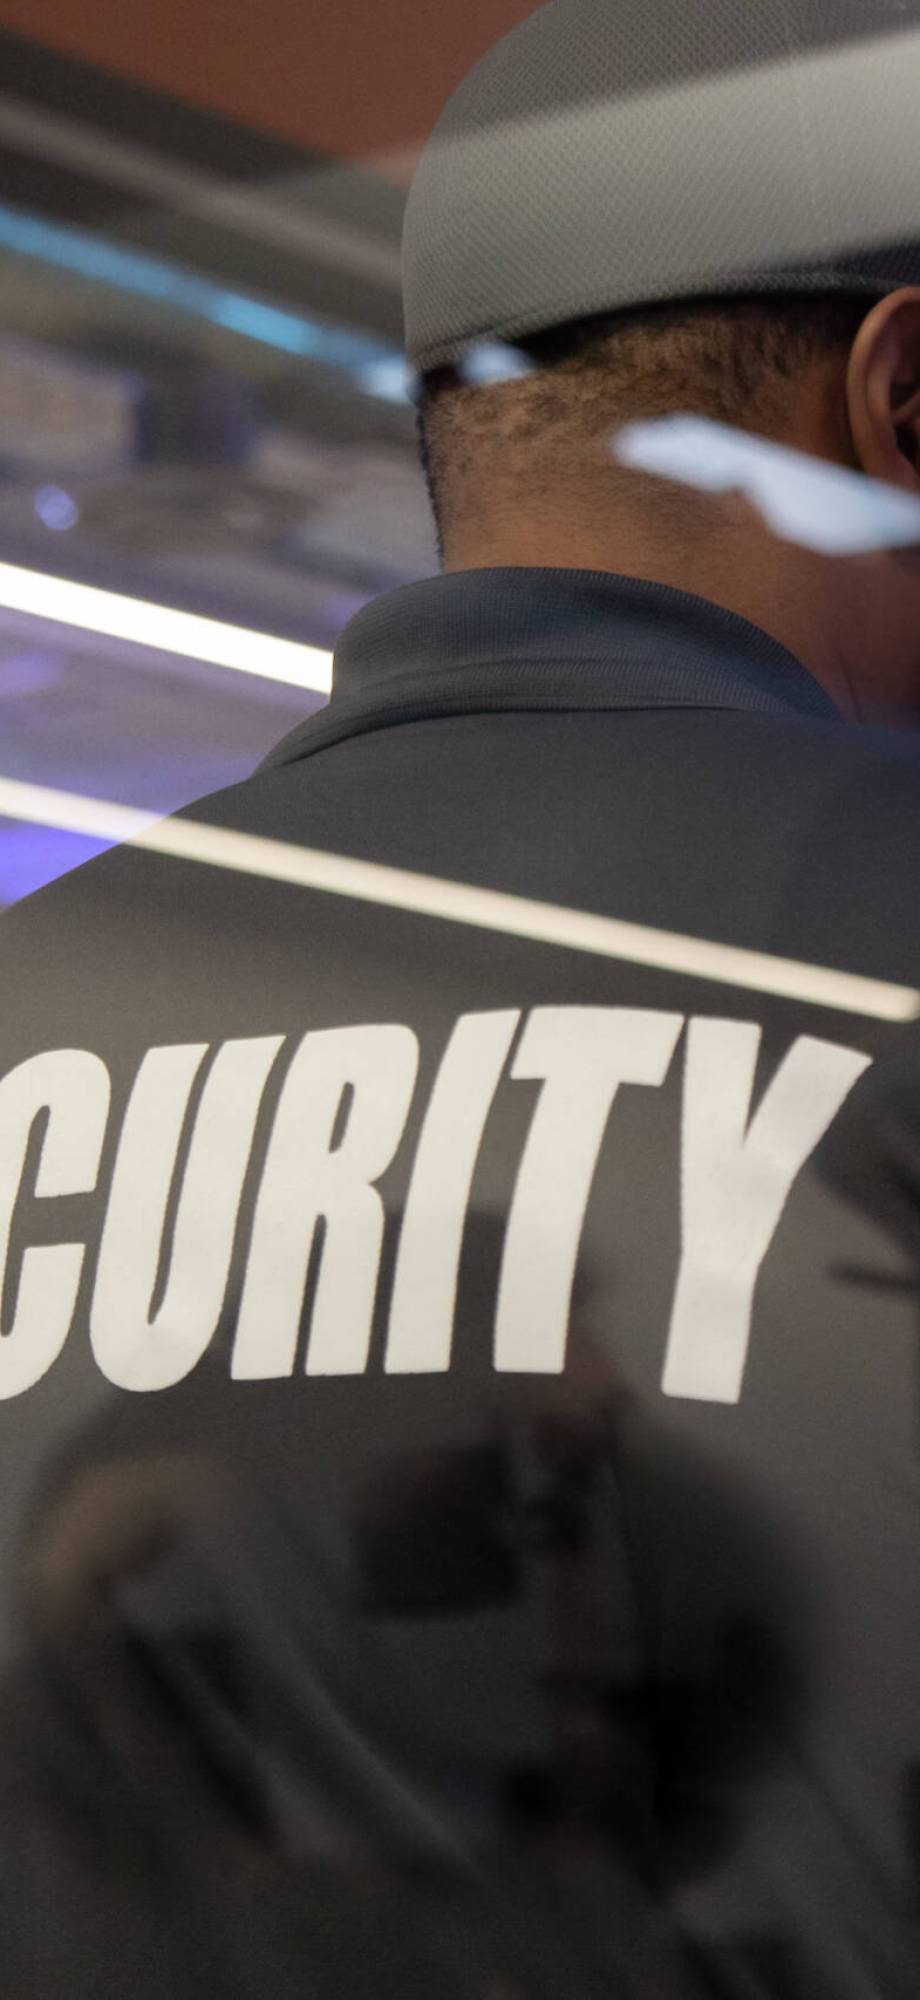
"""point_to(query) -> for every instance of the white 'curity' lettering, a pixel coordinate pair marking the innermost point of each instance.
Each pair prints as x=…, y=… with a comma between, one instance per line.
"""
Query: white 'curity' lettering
x=304, y=1179
x=583, y=1054
x=735, y=1183
x=73, y=1086
x=132, y=1349
x=425, y=1284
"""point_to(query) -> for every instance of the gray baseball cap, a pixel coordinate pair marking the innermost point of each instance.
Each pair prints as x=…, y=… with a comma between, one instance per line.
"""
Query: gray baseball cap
x=613, y=154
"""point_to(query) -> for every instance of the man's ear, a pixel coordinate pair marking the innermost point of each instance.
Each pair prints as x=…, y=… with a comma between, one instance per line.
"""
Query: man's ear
x=908, y=431
x=883, y=391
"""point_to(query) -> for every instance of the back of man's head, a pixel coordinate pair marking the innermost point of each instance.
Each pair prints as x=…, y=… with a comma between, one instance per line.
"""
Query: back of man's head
x=662, y=210
x=538, y=445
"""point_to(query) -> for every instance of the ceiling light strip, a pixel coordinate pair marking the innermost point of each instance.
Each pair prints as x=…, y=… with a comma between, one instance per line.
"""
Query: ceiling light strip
x=458, y=902
x=167, y=631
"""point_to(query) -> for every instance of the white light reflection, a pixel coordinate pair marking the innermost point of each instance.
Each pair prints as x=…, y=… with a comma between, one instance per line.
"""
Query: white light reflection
x=460, y=903
x=157, y=625
x=490, y=361
x=803, y=499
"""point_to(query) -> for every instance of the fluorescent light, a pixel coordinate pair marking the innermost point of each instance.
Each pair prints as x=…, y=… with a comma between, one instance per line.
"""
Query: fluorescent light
x=460, y=903
x=187, y=291
x=99, y=819
x=167, y=631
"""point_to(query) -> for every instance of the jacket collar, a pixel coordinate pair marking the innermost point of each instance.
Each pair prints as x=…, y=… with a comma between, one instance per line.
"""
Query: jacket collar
x=492, y=639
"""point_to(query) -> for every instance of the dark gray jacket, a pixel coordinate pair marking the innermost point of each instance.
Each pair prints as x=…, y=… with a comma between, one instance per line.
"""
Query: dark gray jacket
x=460, y=1360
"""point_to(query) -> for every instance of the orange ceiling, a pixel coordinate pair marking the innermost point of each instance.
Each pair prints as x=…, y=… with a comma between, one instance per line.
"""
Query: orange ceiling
x=348, y=77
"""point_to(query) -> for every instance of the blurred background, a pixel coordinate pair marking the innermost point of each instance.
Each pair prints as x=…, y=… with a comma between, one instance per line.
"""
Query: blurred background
x=203, y=397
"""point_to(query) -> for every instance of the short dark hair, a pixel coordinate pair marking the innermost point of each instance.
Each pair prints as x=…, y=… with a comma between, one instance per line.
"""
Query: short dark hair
x=731, y=359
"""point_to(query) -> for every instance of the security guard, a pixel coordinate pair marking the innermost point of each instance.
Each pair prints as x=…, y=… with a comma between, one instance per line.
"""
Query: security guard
x=459, y=1187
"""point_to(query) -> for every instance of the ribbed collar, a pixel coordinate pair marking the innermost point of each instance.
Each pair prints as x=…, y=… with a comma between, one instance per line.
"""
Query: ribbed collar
x=493, y=639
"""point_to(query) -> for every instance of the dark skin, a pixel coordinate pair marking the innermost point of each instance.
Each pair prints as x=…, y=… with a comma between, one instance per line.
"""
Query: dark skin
x=853, y=622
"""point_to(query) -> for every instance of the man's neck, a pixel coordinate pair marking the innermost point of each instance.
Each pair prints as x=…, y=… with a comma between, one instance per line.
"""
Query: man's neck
x=787, y=592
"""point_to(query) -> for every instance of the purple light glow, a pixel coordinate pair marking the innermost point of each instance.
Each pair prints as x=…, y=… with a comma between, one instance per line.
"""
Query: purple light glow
x=33, y=856
x=56, y=508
